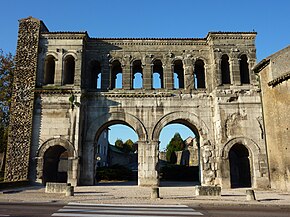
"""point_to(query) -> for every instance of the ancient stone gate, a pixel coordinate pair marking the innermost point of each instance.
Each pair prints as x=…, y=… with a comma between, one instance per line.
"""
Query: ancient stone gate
x=79, y=85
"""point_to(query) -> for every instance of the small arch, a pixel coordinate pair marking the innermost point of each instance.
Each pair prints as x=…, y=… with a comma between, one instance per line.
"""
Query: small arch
x=225, y=69
x=49, y=70
x=240, y=170
x=69, y=70
x=157, y=75
x=250, y=144
x=53, y=157
x=178, y=74
x=199, y=72
x=137, y=73
x=95, y=75
x=244, y=69
x=116, y=74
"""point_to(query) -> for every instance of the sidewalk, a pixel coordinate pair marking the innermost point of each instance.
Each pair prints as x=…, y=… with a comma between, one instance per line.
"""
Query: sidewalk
x=112, y=193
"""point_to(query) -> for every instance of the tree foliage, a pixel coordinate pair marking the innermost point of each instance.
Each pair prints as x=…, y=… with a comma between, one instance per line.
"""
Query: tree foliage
x=175, y=144
x=6, y=78
x=126, y=147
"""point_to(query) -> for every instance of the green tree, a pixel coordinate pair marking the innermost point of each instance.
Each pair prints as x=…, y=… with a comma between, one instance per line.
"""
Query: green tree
x=129, y=146
x=6, y=78
x=119, y=144
x=175, y=144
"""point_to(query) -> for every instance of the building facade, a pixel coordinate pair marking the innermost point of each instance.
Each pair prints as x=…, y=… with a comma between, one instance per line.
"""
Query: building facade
x=274, y=73
x=70, y=87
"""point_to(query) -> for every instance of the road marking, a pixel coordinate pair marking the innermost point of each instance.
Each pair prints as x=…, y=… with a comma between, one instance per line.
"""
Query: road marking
x=132, y=210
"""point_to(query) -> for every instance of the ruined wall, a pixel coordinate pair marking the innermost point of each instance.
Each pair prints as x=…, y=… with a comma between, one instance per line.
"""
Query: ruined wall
x=20, y=128
x=275, y=88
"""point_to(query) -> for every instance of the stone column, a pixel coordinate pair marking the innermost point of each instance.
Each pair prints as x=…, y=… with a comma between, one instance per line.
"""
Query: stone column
x=87, y=164
x=168, y=76
x=235, y=71
x=148, y=163
x=106, y=72
x=127, y=77
x=188, y=74
x=72, y=171
x=147, y=76
x=251, y=64
x=217, y=72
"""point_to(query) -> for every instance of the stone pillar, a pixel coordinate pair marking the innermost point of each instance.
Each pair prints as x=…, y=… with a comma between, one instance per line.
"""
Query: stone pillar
x=168, y=76
x=106, y=72
x=87, y=164
x=235, y=71
x=147, y=76
x=253, y=79
x=127, y=77
x=217, y=72
x=73, y=171
x=148, y=163
x=39, y=170
x=188, y=74
x=22, y=101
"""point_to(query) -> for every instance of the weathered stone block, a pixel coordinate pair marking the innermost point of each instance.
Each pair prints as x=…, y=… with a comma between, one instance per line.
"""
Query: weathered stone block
x=208, y=190
x=53, y=187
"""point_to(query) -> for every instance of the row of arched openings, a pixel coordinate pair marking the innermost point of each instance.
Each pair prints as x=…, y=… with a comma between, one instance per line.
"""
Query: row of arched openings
x=67, y=74
x=137, y=71
x=244, y=69
x=137, y=75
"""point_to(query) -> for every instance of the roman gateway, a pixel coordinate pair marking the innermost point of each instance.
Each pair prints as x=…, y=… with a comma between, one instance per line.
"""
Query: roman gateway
x=69, y=87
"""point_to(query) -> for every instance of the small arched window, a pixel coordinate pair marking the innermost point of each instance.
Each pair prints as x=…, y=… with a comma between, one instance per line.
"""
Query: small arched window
x=69, y=70
x=116, y=75
x=244, y=70
x=137, y=74
x=199, y=73
x=96, y=75
x=49, y=70
x=157, y=75
x=225, y=70
x=178, y=74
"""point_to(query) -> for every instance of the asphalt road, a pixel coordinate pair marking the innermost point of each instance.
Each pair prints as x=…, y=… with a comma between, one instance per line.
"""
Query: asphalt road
x=48, y=209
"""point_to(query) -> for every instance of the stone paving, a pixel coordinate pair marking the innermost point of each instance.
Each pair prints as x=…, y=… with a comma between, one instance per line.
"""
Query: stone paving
x=122, y=193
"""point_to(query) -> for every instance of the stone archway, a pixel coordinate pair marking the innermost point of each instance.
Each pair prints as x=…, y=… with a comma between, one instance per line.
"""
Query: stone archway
x=239, y=149
x=206, y=150
x=57, y=162
x=240, y=169
x=95, y=129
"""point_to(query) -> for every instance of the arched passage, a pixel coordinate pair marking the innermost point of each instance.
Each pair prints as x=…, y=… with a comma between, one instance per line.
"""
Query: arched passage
x=97, y=126
x=240, y=171
x=57, y=162
x=55, y=165
x=115, y=152
x=200, y=129
x=243, y=146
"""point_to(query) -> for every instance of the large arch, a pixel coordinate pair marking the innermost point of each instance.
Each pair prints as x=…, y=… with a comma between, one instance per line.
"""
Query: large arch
x=200, y=129
x=101, y=123
x=187, y=118
x=95, y=129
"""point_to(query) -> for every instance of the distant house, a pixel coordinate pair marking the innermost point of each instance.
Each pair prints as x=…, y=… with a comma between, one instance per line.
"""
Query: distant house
x=101, y=149
x=118, y=157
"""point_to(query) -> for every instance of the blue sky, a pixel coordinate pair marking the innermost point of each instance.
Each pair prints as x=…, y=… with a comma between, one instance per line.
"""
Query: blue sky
x=154, y=18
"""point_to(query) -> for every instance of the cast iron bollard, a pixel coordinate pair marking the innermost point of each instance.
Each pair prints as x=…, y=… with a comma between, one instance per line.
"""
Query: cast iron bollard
x=250, y=195
x=155, y=193
x=69, y=190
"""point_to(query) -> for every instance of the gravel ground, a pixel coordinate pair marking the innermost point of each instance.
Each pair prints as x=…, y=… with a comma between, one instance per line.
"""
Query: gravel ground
x=122, y=193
